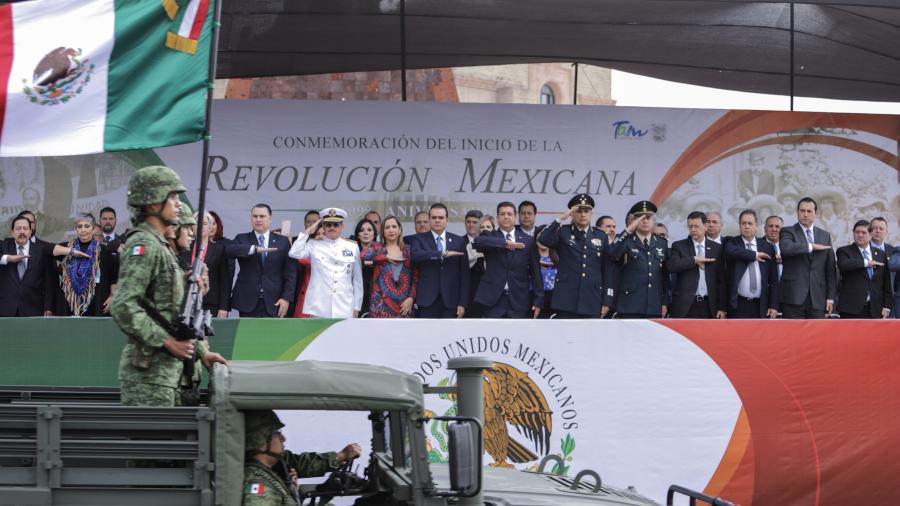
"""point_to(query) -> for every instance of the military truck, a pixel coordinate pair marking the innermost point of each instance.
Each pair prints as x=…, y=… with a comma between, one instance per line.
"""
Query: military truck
x=81, y=448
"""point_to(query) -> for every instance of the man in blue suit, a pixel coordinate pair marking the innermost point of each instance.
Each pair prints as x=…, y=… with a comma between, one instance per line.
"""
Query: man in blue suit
x=267, y=279
x=506, y=287
x=752, y=272
x=443, y=289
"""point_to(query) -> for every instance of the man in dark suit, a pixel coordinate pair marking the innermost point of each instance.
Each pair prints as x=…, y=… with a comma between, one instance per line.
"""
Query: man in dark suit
x=267, y=279
x=108, y=223
x=443, y=289
x=892, y=253
x=476, y=261
x=584, y=286
x=809, y=277
x=752, y=272
x=773, y=237
x=866, y=290
x=642, y=282
x=700, y=289
x=27, y=274
x=506, y=287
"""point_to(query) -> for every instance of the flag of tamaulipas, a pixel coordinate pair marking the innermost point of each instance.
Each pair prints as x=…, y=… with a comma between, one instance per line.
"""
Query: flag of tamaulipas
x=87, y=76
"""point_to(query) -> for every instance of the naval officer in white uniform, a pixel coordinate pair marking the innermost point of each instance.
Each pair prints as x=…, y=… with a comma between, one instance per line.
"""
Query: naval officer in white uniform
x=336, y=284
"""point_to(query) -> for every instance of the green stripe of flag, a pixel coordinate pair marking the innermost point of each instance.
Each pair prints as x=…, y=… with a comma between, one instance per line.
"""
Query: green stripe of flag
x=156, y=95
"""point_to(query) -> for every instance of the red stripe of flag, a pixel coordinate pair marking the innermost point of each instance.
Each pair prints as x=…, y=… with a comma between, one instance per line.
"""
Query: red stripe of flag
x=6, y=57
x=197, y=27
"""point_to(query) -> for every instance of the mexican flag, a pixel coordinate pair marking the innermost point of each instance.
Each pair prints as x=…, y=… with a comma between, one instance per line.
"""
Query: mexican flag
x=87, y=76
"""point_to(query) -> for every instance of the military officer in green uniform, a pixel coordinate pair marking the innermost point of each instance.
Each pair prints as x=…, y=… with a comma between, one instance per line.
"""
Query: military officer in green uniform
x=640, y=258
x=150, y=279
x=583, y=288
x=270, y=469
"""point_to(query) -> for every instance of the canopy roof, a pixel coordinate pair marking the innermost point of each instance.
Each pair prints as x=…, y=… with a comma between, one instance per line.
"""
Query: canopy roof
x=315, y=385
x=842, y=49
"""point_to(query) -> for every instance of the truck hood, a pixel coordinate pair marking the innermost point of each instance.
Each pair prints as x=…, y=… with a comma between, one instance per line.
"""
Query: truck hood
x=511, y=487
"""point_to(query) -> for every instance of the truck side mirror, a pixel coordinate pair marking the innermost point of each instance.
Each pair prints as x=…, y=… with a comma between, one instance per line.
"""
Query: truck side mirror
x=466, y=446
x=465, y=458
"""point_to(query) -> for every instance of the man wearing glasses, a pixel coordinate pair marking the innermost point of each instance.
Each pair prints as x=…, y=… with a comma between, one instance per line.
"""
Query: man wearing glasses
x=336, y=283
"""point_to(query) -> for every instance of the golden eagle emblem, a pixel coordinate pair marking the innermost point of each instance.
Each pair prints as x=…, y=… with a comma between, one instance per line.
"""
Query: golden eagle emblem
x=510, y=396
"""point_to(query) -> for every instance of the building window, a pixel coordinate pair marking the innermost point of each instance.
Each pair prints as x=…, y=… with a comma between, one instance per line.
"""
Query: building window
x=547, y=96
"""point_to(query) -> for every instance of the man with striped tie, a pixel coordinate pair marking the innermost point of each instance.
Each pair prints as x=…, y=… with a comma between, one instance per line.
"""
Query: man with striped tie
x=865, y=281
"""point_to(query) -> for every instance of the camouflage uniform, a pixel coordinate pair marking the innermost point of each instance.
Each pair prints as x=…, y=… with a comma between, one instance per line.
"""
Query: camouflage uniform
x=265, y=486
x=149, y=277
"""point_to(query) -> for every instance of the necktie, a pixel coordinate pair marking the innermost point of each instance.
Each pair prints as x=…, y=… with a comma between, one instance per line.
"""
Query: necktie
x=752, y=271
x=700, y=250
x=869, y=270
x=440, y=244
x=22, y=263
x=106, y=239
x=647, y=243
x=809, y=236
x=262, y=244
x=509, y=237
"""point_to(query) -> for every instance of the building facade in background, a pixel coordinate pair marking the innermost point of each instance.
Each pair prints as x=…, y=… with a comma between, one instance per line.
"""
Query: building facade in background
x=537, y=83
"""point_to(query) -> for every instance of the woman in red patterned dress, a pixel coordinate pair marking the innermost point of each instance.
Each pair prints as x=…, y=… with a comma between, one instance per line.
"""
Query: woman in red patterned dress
x=395, y=278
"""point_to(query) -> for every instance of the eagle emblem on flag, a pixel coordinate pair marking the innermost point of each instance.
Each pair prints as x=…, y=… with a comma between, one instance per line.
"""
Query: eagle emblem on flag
x=58, y=77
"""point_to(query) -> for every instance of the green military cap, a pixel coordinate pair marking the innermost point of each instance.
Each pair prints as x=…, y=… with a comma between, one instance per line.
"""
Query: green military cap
x=186, y=215
x=259, y=425
x=151, y=185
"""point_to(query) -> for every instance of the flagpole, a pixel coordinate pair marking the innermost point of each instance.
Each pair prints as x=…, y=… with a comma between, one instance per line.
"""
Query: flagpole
x=204, y=168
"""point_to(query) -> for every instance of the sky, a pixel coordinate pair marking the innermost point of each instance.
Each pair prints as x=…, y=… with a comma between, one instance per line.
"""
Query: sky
x=639, y=91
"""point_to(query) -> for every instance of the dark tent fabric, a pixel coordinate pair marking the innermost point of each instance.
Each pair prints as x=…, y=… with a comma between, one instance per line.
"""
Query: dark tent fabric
x=846, y=50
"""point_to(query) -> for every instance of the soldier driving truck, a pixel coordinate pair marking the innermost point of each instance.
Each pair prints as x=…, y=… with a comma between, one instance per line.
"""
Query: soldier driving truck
x=271, y=470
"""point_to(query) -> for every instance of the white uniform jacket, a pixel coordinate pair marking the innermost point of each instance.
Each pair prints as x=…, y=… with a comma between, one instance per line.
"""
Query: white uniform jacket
x=336, y=284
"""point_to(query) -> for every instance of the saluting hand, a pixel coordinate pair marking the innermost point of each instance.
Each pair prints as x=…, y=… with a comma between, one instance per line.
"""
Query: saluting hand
x=310, y=230
x=702, y=261
x=820, y=247
x=513, y=245
x=565, y=216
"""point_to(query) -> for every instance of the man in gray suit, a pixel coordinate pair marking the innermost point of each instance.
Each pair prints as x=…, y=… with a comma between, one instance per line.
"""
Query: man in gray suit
x=809, y=277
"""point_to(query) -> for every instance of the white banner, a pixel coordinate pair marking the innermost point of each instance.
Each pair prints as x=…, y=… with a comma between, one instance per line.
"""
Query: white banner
x=638, y=403
x=399, y=158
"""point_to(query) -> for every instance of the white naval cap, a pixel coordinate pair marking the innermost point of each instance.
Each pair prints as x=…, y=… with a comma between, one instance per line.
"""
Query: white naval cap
x=333, y=215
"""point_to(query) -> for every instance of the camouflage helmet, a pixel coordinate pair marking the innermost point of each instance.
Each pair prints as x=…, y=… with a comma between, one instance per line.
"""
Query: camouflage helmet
x=186, y=215
x=151, y=185
x=259, y=425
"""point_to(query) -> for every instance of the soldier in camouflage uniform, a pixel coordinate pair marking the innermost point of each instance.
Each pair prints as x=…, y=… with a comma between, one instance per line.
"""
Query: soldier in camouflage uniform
x=151, y=362
x=270, y=469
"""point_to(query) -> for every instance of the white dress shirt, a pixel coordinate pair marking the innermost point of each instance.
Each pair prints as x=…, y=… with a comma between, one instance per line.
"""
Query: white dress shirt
x=744, y=285
x=702, y=290
x=336, y=282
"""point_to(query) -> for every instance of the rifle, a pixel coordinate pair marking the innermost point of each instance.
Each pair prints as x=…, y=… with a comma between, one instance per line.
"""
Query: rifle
x=195, y=322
